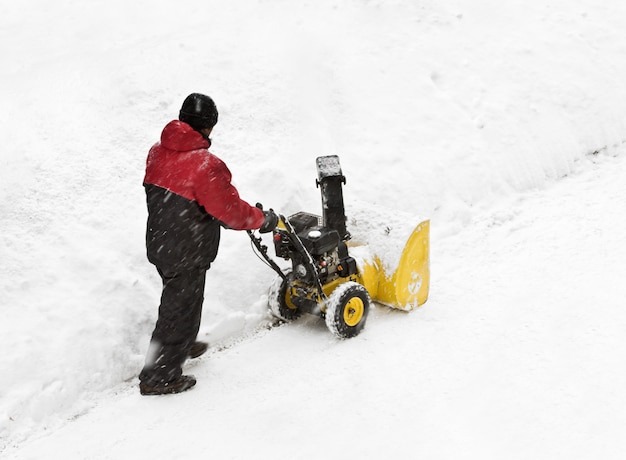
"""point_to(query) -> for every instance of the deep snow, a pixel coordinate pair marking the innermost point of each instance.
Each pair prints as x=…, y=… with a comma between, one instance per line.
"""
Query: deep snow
x=503, y=122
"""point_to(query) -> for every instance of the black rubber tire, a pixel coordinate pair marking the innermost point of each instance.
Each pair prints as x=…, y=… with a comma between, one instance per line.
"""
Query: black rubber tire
x=280, y=301
x=347, y=310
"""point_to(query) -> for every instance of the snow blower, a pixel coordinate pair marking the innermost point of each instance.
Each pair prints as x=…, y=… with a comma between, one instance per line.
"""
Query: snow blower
x=335, y=278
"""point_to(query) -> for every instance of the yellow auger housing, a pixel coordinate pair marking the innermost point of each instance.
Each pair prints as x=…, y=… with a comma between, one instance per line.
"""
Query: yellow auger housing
x=403, y=284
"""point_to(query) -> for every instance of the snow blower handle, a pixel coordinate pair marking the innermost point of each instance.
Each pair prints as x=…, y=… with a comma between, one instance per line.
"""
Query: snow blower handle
x=271, y=220
x=261, y=248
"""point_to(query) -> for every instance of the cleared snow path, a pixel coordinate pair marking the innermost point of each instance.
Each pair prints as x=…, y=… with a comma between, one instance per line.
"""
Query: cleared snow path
x=518, y=353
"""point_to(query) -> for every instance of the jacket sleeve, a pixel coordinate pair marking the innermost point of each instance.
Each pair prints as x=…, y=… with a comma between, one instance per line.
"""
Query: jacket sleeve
x=214, y=192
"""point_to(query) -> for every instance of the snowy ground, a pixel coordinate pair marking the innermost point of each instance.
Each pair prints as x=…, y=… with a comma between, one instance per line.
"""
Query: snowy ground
x=483, y=117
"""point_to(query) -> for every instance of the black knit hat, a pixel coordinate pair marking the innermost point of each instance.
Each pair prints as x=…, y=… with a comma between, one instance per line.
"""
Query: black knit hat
x=198, y=111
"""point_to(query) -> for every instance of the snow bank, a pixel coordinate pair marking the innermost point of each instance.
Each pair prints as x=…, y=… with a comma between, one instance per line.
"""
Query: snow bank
x=435, y=110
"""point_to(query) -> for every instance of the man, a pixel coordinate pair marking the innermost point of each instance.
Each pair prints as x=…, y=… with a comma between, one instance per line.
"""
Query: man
x=189, y=196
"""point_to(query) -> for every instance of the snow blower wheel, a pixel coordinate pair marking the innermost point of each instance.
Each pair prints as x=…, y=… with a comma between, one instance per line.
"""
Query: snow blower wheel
x=347, y=310
x=279, y=299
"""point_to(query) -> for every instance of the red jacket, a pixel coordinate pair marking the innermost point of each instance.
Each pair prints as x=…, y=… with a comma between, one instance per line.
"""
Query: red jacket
x=189, y=193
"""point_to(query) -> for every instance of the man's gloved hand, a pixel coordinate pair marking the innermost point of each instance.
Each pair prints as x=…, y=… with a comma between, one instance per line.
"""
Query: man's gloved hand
x=270, y=222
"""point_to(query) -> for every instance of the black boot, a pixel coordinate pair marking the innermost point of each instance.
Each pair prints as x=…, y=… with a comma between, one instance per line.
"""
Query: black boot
x=198, y=349
x=183, y=383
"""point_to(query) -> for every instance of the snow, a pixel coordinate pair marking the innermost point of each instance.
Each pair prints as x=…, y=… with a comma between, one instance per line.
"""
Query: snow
x=501, y=122
x=380, y=232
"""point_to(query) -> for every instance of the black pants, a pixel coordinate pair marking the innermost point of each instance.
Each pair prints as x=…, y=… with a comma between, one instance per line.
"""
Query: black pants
x=177, y=326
